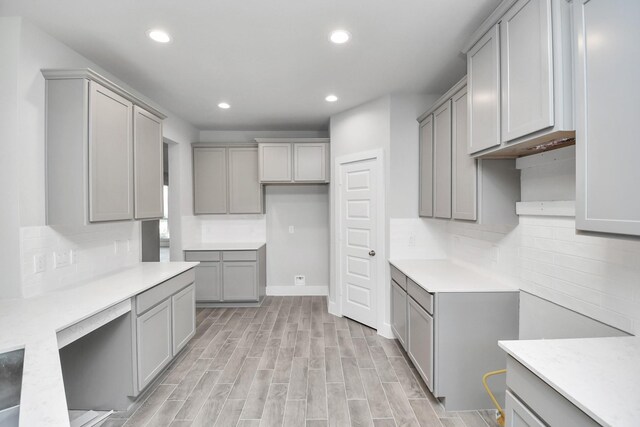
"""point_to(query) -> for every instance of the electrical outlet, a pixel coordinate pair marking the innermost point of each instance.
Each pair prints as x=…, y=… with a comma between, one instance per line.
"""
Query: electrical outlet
x=39, y=263
x=73, y=256
x=61, y=258
x=292, y=229
x=299, y=280
x=412, y=240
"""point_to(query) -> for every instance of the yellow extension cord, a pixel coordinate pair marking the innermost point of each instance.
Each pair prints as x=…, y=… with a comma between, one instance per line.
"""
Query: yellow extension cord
x=495, y=402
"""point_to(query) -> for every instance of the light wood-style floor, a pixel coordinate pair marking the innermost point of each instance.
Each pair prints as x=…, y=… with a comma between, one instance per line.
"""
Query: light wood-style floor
x=290, y=363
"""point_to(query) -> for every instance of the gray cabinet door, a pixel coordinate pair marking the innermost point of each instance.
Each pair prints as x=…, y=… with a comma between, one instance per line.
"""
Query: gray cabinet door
x=110, y=155
x=148, y=173
x=209, y=180
x=240, y=281
x=399, y=313
x=442, y=161
x=153, y=339
x=310, y=162
x=483, y=77
x=518, y=415
x=607, y=92
x=275, y=162
x=421, y=341
x=526, y=68
x=464, y=171
x=426, y=167
x=208, y=281
x=183, y=320
x=245, y=191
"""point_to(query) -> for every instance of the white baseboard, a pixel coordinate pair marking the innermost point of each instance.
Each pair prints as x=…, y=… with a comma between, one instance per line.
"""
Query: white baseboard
x=385, y=331
x=332, y=308
x=298, y=290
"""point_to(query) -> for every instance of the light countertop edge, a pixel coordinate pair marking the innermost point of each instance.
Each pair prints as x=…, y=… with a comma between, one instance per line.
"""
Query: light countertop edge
x=611, y=407
x=225, y=246
x=446, y=275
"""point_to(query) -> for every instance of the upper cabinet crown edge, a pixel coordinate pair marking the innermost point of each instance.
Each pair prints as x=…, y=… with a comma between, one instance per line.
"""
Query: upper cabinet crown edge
x=89, y=74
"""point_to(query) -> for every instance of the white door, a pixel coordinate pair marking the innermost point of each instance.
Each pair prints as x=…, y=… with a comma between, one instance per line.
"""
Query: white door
x=358, y=238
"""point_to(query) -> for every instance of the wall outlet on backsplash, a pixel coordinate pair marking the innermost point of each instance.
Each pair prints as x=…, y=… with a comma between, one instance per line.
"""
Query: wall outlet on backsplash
x=61, y=258
x=39, y=263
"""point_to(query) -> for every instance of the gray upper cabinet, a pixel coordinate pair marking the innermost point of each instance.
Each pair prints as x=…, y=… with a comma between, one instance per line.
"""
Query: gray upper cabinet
x=110, y=155
x=209, y=180
x=426, y=166
x=464, y=169
x=520, y=79
x=442, y=161
x=225, y=180
x=275, y=162
x=245, y=191
x=483, y=73
x=527, y=69
x=607, y=65
x=453, y=184
x=103, y=151
x=310, y=162
x=148, y=182
x=293, y=160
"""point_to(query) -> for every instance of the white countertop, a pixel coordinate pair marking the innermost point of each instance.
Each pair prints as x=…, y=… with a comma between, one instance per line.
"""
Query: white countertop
x=32, y=324
x=601, y=376
x=225, y=246
x=441, y=275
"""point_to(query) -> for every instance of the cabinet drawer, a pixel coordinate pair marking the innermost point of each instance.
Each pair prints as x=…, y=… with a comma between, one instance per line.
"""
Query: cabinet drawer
x=239, y=256
x=422, y=297
x=164, y=290
x=202, y=256
x=518, y=415
x=398, y=277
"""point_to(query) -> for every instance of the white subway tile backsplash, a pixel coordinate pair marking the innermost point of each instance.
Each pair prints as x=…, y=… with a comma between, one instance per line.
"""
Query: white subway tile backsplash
x=94, y=253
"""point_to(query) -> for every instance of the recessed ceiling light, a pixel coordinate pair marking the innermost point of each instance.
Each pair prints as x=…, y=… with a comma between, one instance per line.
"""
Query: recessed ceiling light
x=159, y=36
x=331, y=98
x=224, y=105
x=340, y=36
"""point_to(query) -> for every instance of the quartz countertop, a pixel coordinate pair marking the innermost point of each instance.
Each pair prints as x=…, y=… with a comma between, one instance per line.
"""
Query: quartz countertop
x=601, y=376
x=441, y=275
x=32, y=324
x=225, y=246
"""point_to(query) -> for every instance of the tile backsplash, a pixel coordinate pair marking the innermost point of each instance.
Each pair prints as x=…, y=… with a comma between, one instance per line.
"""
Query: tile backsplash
x=596, y=275
x=71, y=255
x=224, y=228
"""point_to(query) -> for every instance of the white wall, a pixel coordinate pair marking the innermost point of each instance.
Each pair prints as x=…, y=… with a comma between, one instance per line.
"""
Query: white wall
x=242, y=136
x=306, y=251
x=9, y=159
x=37, y=50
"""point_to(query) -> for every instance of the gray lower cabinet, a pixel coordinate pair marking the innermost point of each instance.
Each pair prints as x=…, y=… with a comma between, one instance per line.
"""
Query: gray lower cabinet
x=442, y=327
x=164, y=323
x=399, y=313
x=240, y=281
x=518, y=414
x=153, y=342
x=531, y=402
x=229, y=275
x=421, y=341
x=183, y=318
x=209, y=281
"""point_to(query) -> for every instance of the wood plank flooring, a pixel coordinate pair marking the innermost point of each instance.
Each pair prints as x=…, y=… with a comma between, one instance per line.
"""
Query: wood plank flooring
x=290, y=363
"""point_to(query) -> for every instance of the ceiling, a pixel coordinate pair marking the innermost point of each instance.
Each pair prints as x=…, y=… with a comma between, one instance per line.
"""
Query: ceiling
x=270, y=59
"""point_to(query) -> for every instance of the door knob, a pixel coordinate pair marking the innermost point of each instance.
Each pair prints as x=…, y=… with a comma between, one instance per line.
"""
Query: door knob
x=372, y=253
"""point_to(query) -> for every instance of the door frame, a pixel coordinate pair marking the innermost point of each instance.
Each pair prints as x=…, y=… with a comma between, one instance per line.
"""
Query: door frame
x=382, y=291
